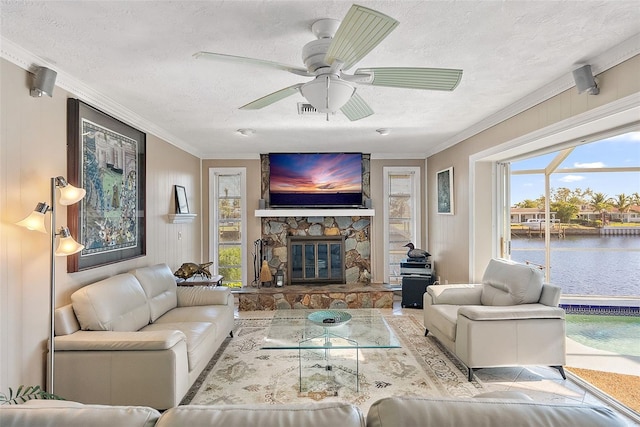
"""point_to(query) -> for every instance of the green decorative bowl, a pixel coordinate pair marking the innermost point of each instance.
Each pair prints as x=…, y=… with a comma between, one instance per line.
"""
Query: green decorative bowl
x=329, y=318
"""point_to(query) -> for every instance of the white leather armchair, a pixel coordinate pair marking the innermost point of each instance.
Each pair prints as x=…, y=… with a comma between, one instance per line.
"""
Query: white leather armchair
x=511, y=319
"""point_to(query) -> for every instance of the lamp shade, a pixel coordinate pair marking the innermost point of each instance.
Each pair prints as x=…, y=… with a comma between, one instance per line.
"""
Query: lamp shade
x=67, y=244
x=35, y=220
x=327, y=93
x=70, y=194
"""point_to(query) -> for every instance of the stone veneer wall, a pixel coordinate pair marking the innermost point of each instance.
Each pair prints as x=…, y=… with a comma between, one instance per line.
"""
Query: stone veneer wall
x=355, y=229
x=357, y=245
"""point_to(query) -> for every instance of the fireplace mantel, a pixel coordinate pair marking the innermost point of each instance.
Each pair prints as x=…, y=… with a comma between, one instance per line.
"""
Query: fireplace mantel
x=313, y=212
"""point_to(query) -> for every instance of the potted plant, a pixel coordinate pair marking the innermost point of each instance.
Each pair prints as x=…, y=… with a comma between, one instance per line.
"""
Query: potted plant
x=24, y=393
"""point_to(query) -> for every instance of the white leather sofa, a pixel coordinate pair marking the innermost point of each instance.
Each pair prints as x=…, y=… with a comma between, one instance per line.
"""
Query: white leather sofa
x=511, y=319
x=501, y=409
x=138, y=339
x=489, y=410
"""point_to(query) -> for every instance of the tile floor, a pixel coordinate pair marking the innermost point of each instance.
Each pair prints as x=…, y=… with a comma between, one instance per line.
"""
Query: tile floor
x=540, y=383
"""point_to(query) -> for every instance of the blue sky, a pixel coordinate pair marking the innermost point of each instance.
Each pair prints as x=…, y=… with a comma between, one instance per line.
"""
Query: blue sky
x=619, y=151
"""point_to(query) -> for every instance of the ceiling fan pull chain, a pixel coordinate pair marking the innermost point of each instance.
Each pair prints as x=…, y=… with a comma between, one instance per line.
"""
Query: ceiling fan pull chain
x=327, y=105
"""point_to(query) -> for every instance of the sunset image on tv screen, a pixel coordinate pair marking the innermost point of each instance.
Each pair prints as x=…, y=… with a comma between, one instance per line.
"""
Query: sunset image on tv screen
x=314, y=173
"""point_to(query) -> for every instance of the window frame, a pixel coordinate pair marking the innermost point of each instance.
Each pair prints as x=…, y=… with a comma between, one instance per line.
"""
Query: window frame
x=214, y=226
x=416, y=238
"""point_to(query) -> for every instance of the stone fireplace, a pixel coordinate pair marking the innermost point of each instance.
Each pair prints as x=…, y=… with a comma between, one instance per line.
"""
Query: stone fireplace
x=327, y=249
x=351, y=226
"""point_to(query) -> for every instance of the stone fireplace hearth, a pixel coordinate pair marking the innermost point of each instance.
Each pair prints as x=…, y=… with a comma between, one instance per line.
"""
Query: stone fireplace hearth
x=315, y=297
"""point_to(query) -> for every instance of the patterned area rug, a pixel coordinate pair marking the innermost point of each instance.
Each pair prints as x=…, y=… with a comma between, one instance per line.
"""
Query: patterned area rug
x=243, y=373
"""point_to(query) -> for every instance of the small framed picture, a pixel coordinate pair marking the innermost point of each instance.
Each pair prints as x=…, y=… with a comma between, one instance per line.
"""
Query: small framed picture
x=445, y=191
x=182, y=207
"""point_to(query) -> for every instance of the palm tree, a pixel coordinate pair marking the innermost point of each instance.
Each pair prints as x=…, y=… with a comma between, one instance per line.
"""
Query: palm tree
x=622, y=202
x=600, y=203
x=526, y=203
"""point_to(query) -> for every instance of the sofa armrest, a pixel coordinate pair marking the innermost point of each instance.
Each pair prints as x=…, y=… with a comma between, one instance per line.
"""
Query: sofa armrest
x=189, y=296
x=117, y=341
x=511, y=312
x=550, y=295
x=455, y=294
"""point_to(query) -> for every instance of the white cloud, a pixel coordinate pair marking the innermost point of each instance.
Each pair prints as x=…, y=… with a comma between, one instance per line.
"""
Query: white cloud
x=588, y=165
x=571, y=178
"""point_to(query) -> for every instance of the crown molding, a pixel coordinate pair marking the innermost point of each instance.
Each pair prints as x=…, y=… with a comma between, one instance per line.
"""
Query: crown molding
x=606, y=60
x=28, y=61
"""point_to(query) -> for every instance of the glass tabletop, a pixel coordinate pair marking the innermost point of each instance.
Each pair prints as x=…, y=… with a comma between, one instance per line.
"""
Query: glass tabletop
x=292, y=329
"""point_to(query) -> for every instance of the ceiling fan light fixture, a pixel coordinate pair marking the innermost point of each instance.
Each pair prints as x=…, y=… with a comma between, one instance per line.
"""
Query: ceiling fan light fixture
x=327, y=93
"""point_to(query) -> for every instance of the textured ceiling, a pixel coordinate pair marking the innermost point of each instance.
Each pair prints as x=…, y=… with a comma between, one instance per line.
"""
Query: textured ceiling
x=138, y=55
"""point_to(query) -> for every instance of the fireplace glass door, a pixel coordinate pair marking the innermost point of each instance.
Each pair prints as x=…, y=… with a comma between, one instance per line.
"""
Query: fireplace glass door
x=316, y=260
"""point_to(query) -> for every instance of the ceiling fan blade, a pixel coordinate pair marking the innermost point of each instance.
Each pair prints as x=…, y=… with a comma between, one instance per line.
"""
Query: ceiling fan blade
x=259, y=62
x=272, y=97
x=356, y=108
x=413, y=78
x=361, y=30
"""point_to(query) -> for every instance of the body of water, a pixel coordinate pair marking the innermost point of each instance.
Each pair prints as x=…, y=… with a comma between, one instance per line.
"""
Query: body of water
x=587, y=265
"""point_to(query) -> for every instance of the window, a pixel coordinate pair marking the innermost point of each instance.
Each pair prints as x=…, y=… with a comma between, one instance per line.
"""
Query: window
x=590, y=244
x=401, y=217
x=228, y=224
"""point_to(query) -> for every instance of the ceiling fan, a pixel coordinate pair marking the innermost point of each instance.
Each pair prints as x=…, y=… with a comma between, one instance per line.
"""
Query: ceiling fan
x=339, y=46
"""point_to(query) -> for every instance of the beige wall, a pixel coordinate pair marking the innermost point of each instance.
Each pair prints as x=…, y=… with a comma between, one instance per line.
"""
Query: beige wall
x=450, y=236
x=33, y=149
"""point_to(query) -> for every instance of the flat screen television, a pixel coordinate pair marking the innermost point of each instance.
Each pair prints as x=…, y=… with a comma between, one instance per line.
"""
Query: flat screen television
x=315, y=180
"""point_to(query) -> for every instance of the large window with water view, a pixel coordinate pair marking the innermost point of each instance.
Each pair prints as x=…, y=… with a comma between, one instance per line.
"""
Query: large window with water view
x=576, y=213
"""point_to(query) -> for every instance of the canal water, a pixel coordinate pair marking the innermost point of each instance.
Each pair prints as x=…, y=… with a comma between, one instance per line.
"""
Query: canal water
x=587, y=265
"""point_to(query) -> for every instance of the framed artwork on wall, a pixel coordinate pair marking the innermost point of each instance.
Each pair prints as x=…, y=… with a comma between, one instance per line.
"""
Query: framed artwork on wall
x=445, y=191
x=106, y=157
x=182, y=207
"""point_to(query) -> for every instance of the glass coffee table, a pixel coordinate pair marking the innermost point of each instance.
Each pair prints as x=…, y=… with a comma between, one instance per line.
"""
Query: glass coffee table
x=322, y=335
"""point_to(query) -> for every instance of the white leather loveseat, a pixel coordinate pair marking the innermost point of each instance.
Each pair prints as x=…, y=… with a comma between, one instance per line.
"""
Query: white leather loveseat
x=138, y=339
x=511, y=319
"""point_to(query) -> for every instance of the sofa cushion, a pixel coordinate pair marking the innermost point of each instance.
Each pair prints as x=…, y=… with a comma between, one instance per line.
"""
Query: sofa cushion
x=73, y=414
x=200, y=337
x=510, y=283
x=114, y=304
x=515, y=312
x=300, y=415
x=159, y=285
x=417, y=411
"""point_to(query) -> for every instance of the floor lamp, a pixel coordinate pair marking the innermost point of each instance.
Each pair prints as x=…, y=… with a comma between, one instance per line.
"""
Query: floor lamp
x=66, y=246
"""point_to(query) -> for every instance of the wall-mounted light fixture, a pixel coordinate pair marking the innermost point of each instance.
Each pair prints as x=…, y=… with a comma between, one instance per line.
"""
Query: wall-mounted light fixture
x=66, y=246
x=383, y=131
x=585, y=82
x=43, y=82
